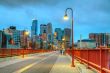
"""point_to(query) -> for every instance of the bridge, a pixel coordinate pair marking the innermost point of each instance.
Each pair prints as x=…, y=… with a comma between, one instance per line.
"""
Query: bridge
x=52, y=61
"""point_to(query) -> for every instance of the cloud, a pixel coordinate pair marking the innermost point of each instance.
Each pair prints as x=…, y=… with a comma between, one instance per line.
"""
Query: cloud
x=92, y=5
x=105, y=6
x=16, y=3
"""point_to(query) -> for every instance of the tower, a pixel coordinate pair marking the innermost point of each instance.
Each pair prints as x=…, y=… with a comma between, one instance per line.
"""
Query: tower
x=34, y=28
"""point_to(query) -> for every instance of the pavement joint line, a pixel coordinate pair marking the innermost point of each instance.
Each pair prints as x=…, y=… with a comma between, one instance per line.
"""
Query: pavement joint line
x=13, y=61
x=29, y=66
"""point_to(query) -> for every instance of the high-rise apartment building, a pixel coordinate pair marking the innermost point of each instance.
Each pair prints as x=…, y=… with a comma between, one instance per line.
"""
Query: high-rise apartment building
x=102, y=39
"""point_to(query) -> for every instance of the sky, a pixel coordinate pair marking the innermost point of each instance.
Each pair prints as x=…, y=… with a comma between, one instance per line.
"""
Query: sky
x=90, y=16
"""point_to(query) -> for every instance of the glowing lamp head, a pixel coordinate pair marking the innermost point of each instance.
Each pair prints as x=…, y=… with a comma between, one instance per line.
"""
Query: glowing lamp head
x=63, y=39
x=55, y=34
x=26, y=33
x=66, y=17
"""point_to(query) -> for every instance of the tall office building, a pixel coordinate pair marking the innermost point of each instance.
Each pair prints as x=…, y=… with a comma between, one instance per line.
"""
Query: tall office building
x=49, y=32
x=102, y=39
x=59, y=34
x=43, y=33
x=49, y=28
x=34, y=32
x=108, y=40
x=34, y=28
x=43, y=28
x=16, y=37
x=1, y=32
x=67, y=34
x=24, y=39
x=12, y=37
x=67, y=37
x=4, y=39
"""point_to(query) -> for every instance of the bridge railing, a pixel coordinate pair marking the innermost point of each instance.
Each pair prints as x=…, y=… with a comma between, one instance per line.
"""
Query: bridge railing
x=98, y=59
x=16, y=52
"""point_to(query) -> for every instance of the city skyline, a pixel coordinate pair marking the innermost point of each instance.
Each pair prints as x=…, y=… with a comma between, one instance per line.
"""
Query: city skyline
x=88, y=15
x=54, y=36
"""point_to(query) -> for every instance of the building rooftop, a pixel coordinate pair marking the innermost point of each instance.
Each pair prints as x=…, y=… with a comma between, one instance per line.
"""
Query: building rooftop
x=43, y=25
x=87, y=40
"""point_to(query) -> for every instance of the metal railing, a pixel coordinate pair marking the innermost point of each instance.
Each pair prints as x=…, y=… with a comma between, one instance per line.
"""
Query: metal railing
x=98, y=58
x=16, y=52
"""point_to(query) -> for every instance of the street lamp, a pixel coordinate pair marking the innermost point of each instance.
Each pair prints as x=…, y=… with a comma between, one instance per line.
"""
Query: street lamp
x=26, y=33
x=63, y=40
x=66, y=18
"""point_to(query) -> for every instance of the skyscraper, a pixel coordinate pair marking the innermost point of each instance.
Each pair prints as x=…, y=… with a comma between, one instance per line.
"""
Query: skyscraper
x=24, y=39
x=12, y=37
x=1, y=32
x=34, y=28
x=67, y=34
x=16, y=37
x=49, y=28
x=49, y=32
x=59, y=34
x=43, y=33
x=67, y=37
x=43, y=28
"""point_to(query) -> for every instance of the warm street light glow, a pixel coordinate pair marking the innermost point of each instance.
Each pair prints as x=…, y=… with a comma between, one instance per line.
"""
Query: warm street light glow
x=55, y=34
x=63, y=39
x=26, y=33
x=66, y=17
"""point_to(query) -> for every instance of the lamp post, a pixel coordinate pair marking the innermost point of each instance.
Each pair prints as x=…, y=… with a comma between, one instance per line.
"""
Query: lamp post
x=63, y=43
x=66, y=18
x=26, y=35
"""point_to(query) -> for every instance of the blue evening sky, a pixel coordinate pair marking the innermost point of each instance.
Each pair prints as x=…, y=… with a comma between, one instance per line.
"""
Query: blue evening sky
x=89, y=15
